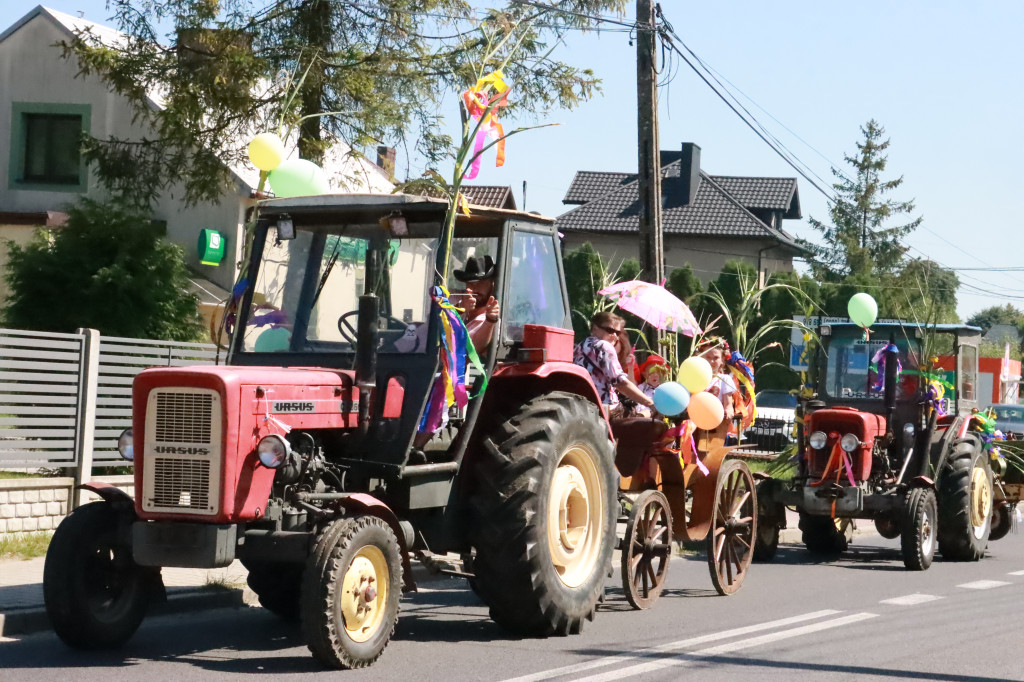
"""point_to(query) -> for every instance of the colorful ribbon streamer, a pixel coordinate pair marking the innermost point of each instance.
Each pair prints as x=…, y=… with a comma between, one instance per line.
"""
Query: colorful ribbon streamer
x=456, y=348
x=744, y=373
x=482, y=107
x=687, y=451
x=878, y=366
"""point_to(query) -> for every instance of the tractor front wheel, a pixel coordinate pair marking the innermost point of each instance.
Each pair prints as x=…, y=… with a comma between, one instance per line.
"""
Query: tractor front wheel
x=1001, y=522
x=917, y=539
x=825, y=535
x=95, y=593
x=965, y=502
x=545, y=511
x=350, y=592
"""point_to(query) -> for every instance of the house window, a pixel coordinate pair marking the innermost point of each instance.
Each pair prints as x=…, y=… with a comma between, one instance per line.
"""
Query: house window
x=46, y=146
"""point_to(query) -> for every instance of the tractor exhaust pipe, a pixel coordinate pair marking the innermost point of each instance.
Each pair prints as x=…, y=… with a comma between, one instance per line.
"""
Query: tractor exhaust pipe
x=367, y=338
x=891, y=366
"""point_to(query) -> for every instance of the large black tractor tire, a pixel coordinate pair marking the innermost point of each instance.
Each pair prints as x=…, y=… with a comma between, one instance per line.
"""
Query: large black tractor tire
x=965, y=502
x=545, y=510
x=95, y=594
x=350, y=592
x=825, y=535
x=918, y=529
x=277, y=585
x=1002, y=522
x=770, y=515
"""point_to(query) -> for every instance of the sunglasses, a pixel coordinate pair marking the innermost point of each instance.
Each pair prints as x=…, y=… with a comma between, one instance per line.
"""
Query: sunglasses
x=612, y=330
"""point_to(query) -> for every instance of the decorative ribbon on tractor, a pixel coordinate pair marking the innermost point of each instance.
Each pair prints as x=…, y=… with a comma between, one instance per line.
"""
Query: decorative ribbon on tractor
x=878, y=365
x=744, y=373
x=483, y=107
x=687, y=450
x=838, y=461
x=456, y=347
x=935, y=388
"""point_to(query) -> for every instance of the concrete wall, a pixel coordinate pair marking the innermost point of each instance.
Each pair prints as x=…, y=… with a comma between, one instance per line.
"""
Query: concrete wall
x=707, y=256
x=34, y=504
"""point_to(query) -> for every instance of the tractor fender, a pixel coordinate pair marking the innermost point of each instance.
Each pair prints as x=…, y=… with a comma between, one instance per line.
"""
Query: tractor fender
x=108, y=492
x=521, y=381
x=365, y=503
x=921, y=482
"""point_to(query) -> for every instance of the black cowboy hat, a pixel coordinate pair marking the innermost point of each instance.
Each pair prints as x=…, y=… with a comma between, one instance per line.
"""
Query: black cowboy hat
x=477, y=268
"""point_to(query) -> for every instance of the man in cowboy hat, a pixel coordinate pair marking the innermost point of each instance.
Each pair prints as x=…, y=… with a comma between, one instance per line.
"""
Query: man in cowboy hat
x=482, y=309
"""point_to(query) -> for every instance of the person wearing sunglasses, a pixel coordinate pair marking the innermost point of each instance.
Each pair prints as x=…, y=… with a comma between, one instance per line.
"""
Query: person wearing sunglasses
x=599, y=354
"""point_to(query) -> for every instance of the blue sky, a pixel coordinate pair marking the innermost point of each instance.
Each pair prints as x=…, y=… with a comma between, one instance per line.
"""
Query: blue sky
x=942, y=77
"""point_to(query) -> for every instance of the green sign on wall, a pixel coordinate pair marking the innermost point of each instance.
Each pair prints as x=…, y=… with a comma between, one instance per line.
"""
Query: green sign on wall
x=211, y=247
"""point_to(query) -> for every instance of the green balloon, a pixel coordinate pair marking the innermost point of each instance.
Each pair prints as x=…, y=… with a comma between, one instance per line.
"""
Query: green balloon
x=863, y=309
x=298, y=178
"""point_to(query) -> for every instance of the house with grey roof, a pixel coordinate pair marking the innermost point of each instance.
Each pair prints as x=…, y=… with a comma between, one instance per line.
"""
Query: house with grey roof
x=45, y=106
x=706, y=219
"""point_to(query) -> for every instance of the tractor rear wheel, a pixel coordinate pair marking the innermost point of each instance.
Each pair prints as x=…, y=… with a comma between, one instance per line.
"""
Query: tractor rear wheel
x=965, y=502
x=917, y=539
x=278, y=586
x=825, y=535
x=350, y=592
x=1001, y=522
x=770, y=516
x=545, y=511
x=95, y=594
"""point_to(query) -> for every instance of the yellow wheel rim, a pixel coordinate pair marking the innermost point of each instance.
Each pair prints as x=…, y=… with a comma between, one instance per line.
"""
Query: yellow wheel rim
x=576, y=515
x=364, y=593
x=981, y=500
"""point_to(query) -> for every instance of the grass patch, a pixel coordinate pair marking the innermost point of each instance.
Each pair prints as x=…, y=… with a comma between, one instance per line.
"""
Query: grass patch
x=221, y=581
x=24, y=545
x=42, y=473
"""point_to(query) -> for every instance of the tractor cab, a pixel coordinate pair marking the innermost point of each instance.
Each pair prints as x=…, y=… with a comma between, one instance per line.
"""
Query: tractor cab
x=348, y=282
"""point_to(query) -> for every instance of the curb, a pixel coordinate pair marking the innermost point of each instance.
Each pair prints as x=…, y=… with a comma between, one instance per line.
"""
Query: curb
x=33, y=619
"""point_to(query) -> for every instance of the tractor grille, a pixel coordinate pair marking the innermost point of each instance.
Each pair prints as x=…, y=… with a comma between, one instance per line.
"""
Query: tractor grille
x=181, y=484
x=183, y=417
x=183, y=457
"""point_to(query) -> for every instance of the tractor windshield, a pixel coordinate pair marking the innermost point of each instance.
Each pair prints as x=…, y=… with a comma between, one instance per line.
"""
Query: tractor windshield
x=307, y=290
x=850, y=372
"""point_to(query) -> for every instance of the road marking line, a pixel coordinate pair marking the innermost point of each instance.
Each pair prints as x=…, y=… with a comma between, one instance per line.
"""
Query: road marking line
x=910, y=599
x=725, y=634
x=984, y=584
x=1016, y=573
x=687, y=658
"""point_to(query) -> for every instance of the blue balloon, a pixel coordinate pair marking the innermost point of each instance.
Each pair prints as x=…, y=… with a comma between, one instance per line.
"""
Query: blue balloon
x=671, y=399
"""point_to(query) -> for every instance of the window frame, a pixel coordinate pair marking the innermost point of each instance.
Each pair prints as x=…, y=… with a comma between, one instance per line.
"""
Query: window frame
x=19, y=143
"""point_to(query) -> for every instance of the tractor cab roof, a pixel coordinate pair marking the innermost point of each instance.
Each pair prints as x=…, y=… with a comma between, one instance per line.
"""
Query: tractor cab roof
x=370, y=207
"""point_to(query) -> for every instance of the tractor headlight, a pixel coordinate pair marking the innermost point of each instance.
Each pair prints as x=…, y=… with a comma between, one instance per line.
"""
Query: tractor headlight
x=273, y=451
x=818, y=440
x=849, y=442
x=126, y=445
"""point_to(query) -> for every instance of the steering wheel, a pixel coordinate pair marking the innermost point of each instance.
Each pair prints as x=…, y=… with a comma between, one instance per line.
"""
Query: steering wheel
x=348, y=331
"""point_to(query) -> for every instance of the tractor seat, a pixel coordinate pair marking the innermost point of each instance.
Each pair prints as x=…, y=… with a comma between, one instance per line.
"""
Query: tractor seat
x=634, y=437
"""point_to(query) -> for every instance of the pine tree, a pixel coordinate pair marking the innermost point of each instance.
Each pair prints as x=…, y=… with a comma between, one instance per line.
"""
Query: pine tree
x=859, y=241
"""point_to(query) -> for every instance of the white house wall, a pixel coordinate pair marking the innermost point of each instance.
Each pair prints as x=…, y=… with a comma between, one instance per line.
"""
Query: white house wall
x=706, y=256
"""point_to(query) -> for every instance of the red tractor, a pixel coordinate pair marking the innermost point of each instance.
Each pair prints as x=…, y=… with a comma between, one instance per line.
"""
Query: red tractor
x=889, y=436
x=297, y=457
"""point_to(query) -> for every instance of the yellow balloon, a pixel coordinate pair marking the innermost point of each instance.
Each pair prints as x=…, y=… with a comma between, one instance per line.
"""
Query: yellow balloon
x=705, y=410
x=266, y=151
x=695, y=374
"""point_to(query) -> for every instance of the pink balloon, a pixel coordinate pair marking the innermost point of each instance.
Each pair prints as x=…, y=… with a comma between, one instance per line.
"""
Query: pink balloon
x=705, y=410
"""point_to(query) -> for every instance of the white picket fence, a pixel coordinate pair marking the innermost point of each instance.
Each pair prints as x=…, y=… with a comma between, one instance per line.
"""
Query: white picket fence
x=65, y=398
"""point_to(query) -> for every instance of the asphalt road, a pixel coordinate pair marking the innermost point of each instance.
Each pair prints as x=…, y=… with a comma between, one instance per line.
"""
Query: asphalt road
x=861, y=615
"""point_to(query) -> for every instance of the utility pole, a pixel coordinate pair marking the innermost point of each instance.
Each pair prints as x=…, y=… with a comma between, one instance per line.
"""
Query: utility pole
x=652, y=255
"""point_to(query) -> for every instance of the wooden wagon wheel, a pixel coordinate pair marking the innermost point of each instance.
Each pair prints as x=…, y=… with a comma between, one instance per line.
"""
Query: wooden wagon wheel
x=734, y=527
x=647, y=549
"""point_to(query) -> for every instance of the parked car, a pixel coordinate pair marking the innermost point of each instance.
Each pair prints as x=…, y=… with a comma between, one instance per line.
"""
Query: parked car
x=1010, y=420
x=776, y=417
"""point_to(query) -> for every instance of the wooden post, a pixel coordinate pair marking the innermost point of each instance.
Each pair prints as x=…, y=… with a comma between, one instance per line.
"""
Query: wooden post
x=652, y=257
x=85, y=420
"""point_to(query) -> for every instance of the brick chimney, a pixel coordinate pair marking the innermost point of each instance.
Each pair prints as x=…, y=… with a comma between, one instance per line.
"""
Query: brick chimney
x=386, y=159
x=689, y=172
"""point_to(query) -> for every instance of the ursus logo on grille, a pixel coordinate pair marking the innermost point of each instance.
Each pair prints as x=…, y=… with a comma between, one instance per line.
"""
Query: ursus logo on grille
x=294, y=406
x=174, y=450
